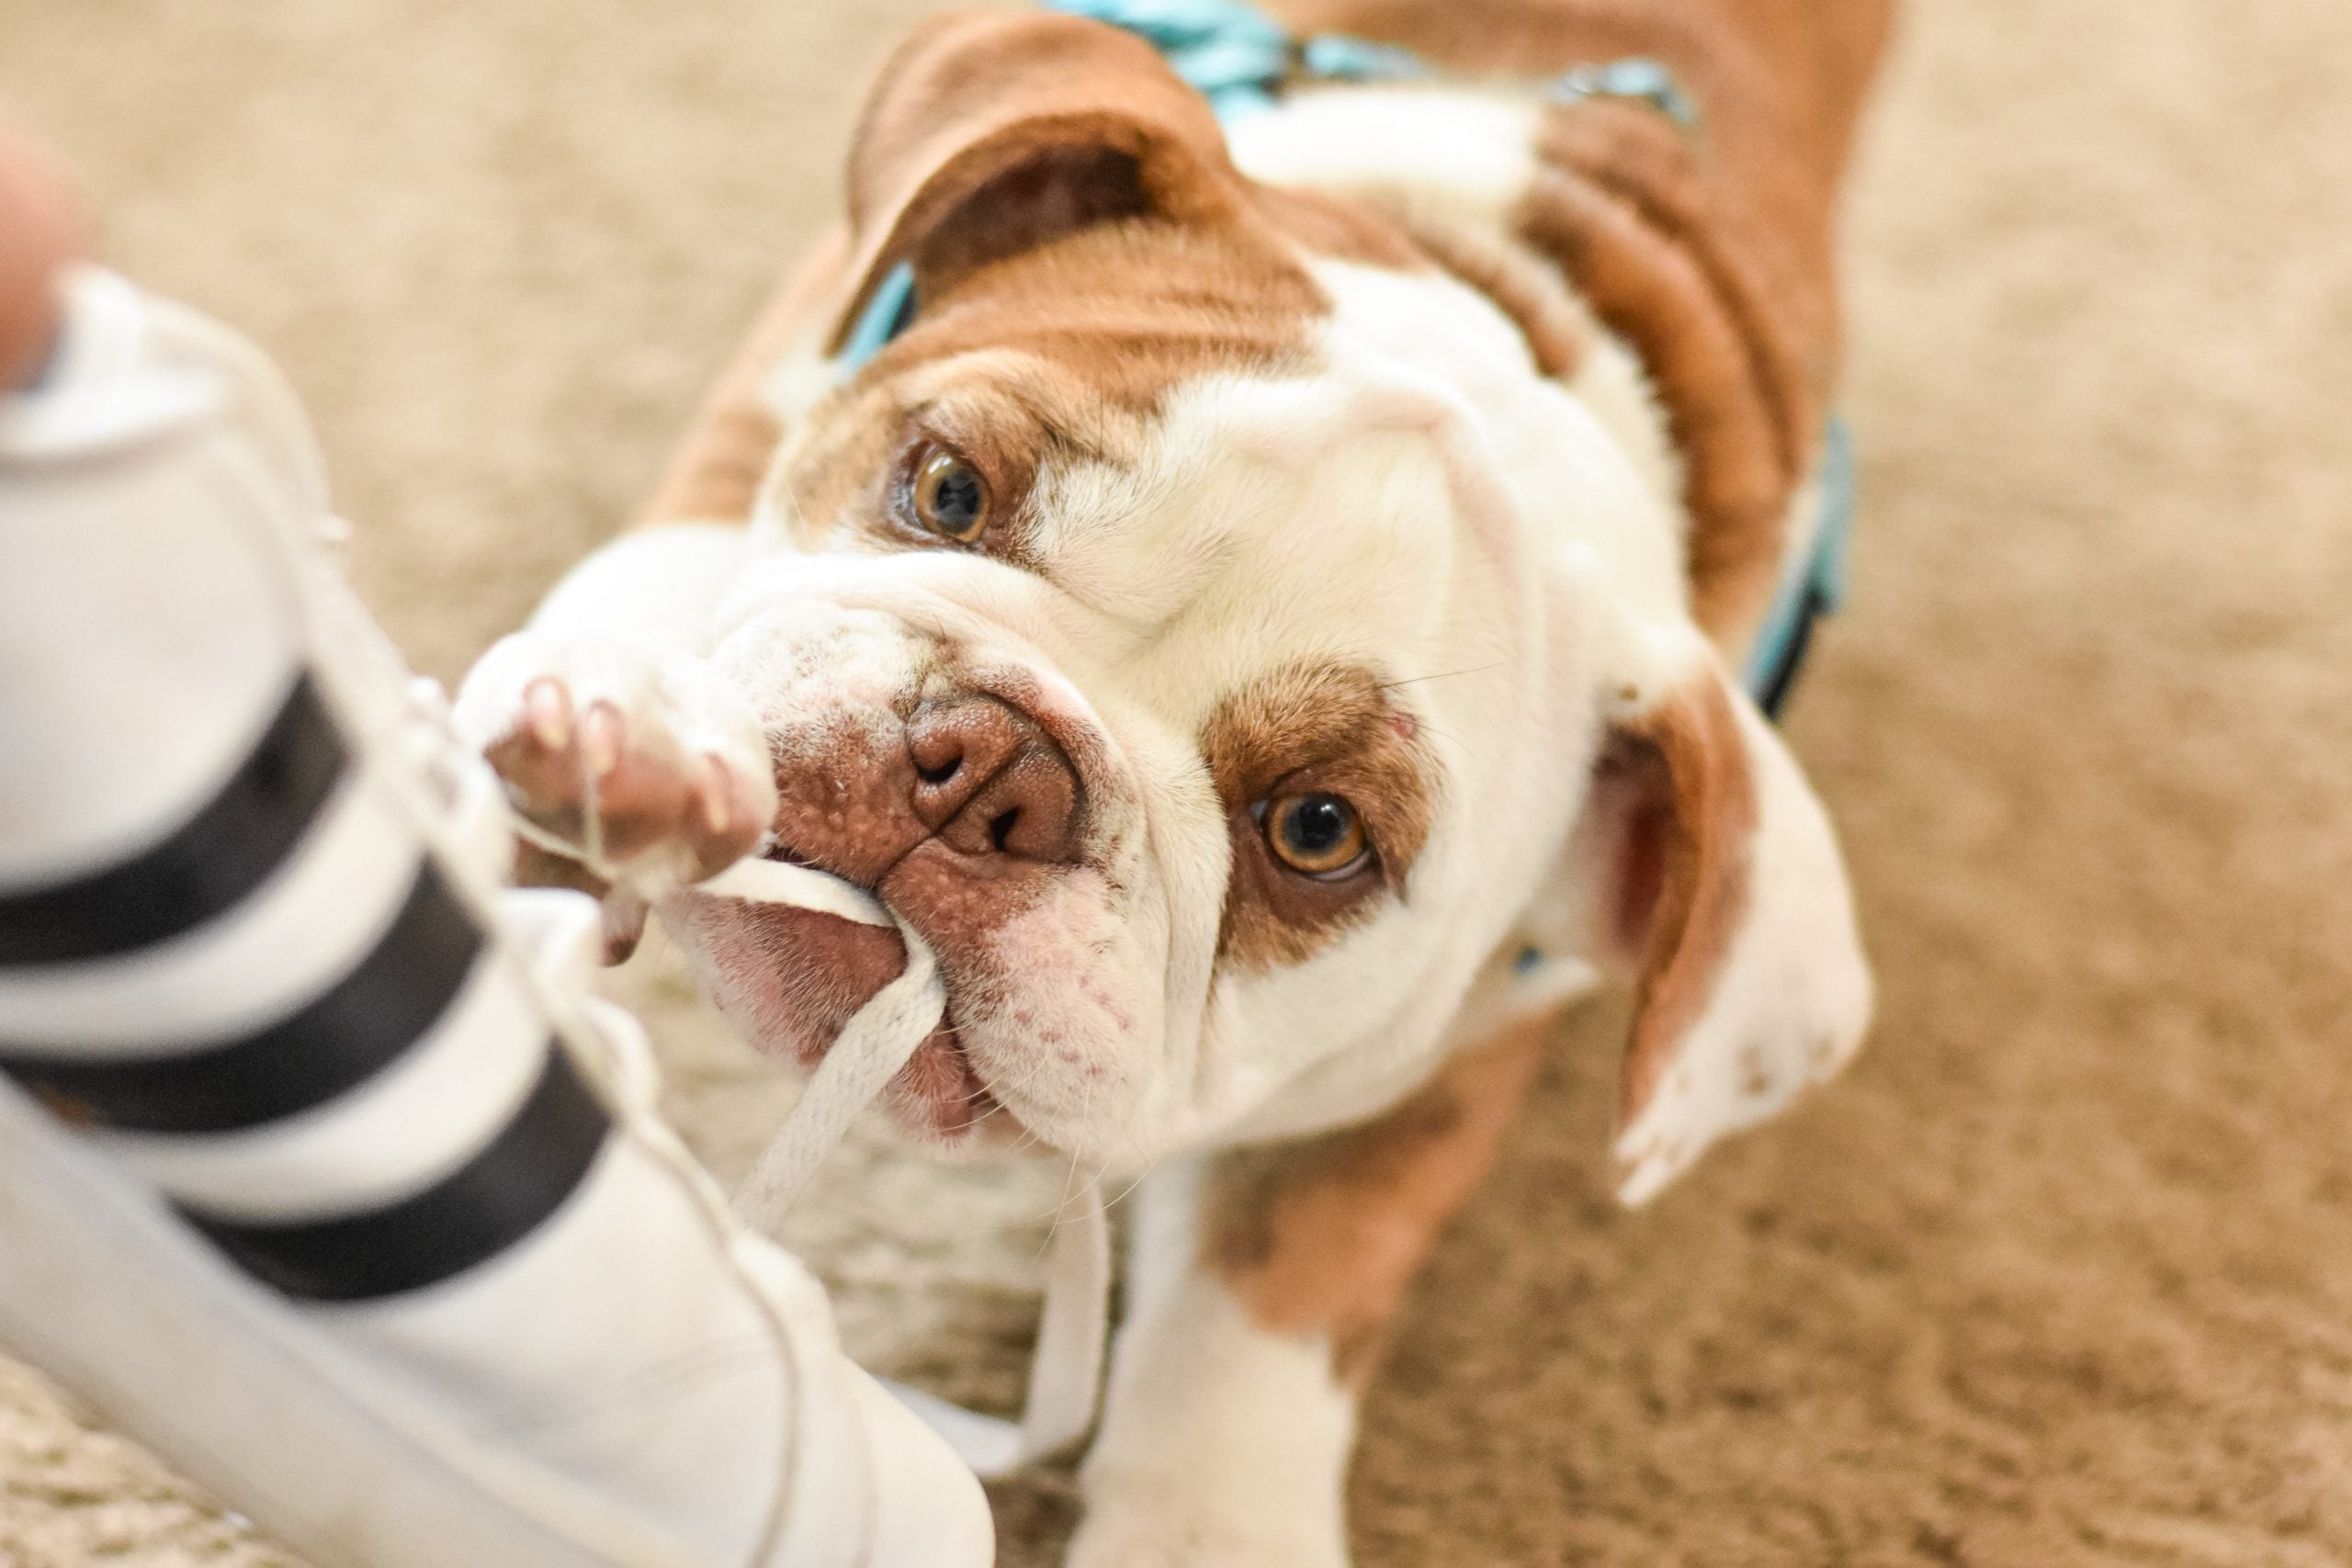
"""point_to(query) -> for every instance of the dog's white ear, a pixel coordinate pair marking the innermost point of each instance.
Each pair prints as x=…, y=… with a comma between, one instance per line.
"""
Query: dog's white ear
x=989, y=133
x=1721, y=889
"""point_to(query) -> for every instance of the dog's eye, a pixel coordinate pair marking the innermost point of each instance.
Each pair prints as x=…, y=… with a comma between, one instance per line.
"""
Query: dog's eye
x=949, y=496
x=1316, y=834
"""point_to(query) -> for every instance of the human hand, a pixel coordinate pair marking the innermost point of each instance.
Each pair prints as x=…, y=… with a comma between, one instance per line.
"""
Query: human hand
x=41, y=230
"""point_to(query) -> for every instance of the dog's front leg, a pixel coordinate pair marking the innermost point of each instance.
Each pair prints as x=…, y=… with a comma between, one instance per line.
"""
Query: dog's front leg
x=614, y=734
x=1265, y=1282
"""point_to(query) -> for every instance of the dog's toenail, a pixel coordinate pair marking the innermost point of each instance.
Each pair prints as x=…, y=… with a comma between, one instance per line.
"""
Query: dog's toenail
x=546, y=713
x=600, y=740
x=717, y=812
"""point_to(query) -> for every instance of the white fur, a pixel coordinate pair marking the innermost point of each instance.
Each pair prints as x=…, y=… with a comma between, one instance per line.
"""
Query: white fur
x=1468, y=151
x=1223, y=1444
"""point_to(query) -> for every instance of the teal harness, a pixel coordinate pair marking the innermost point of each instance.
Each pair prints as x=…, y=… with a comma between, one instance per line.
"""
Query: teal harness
x=1239, y=59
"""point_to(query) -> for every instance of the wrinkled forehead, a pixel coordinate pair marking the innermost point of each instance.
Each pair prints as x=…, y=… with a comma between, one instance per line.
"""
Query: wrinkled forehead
x=1225, y=478
x=1077, y=346
x=1271, y=521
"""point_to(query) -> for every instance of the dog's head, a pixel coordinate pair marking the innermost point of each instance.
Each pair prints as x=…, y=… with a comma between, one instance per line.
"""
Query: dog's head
x=1208, y=624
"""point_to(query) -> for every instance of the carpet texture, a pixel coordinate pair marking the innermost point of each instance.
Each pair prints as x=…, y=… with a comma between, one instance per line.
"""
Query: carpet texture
x=2061, y=1273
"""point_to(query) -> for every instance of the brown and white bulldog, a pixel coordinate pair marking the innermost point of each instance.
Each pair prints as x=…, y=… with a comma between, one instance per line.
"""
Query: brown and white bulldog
x=1267, y=621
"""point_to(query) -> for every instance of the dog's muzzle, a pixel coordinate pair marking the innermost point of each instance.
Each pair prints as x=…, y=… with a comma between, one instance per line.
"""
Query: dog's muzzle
x=951, y=805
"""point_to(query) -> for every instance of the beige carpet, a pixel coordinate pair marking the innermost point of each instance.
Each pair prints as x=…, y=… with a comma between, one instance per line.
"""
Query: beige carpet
x=2061, y=1274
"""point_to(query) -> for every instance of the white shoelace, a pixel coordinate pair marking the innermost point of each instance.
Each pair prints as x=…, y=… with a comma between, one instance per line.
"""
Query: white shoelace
x=1066, y=1371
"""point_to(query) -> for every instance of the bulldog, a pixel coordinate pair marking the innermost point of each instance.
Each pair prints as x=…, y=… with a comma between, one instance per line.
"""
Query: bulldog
x=1263, y=599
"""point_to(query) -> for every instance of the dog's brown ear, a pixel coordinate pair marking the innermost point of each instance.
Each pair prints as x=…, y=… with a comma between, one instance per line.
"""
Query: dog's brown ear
x=992, y=132
x=1722, y=891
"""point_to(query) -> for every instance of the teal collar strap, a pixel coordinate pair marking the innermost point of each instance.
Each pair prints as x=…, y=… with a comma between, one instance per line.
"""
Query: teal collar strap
x=1814, y=585
x=1240, y=58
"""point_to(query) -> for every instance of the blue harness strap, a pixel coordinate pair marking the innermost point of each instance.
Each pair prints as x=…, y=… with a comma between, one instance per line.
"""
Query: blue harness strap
x=1239, y=59
x=1236, y=56
x=888, y=313
x=1640, y=80
x=1814, y=583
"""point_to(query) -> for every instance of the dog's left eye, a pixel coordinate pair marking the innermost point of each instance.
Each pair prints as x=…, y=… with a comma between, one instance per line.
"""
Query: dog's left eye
x=1316, y=834
x=949, y=496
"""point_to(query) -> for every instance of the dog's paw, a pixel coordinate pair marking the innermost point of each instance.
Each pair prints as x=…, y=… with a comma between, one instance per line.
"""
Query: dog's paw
x=651, y=766
x=1165, y=1532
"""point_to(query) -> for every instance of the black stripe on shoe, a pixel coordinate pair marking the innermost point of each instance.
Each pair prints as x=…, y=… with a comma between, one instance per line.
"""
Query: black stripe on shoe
x=346, y=1035
x=484, y=1208
x=201, y=869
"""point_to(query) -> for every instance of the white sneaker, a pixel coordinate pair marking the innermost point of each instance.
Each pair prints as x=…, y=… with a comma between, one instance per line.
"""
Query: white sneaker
x=365, y=1220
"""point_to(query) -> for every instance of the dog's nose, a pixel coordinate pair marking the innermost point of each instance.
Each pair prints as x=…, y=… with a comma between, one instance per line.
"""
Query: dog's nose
x=970, y=773
x=988, y=781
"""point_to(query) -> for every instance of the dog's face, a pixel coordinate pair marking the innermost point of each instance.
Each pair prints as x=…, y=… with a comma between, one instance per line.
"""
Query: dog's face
x=1209, y=628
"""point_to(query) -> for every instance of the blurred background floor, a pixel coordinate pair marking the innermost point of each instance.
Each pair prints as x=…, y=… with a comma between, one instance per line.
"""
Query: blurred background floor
x=2060, y=1274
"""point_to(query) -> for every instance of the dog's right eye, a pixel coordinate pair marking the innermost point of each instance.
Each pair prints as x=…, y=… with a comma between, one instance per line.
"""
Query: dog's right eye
x=948, y=496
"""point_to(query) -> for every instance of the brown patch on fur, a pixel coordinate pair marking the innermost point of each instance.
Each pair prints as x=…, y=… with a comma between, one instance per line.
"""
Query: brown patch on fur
x=718, y=480
x=1619, y=210
x=1129, y=311
x=1062, y=196
x=1737, y=475
x=1710, y=254
x=852, y=477
x=1313, y=728
x=1065, y=198
x=1081, y=245
x=1557, y=330
x=1067, y=350
x=1342, y=229
x=990, y=133
x=1693, y=828
x=1324, y=1237
x=716, y=473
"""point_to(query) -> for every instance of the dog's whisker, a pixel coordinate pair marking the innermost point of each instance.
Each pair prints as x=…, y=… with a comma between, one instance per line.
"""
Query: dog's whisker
x=1128, y=1191
x=1441, y=675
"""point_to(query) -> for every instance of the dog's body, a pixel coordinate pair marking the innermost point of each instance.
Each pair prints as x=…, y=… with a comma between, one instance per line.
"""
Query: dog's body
x=1267, y=621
